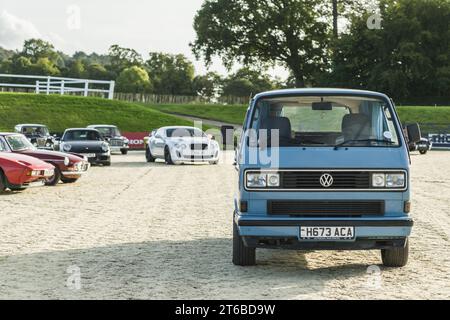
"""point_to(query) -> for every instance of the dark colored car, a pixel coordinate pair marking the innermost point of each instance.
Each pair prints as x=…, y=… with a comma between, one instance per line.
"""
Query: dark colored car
x=38, y=134
x=18, y=171
x=68, y=167
x=87, y=142
x=112, y=135
x=423, y=146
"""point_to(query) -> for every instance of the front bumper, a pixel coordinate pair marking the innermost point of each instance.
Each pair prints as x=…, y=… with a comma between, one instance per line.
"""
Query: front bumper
x=206, y=156
x=118, y=148
x=78, y=171
x=370, y=233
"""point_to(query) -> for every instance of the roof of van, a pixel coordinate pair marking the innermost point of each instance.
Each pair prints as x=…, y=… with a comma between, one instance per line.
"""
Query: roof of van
x=319, y=91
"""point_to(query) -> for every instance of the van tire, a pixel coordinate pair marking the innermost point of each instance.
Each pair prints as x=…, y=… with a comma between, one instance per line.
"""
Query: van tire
x=242, y=255
x=395, y=257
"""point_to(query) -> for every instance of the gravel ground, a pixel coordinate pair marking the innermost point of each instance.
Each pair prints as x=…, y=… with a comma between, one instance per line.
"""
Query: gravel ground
x=149, y=231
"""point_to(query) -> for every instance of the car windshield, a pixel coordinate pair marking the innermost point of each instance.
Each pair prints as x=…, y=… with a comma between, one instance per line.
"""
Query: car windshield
x=35, y=131
x=184, y=133
x=19, y=143
x=81, y=135
x=324, y=121
x=108, y=131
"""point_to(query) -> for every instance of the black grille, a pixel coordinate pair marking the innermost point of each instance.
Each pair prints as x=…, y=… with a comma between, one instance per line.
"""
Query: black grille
x=311, y=180
x=198, y=146
x=325, y=208
x=116, y=143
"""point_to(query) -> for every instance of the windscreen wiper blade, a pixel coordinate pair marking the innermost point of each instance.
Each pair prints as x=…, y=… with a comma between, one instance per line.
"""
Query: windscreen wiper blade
x=362, y=140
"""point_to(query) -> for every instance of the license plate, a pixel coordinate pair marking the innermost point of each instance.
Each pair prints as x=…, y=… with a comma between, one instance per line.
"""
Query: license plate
x=197, y=153
x=327, y=233
x=38, y=183
x=91, y=155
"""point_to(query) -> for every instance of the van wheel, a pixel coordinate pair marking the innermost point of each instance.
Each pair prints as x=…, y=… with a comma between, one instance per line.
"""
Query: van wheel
x=167, y=156
x=53, y=181
x=395, y=257
x=242, y=255
x=423, y=151
x=124, y=151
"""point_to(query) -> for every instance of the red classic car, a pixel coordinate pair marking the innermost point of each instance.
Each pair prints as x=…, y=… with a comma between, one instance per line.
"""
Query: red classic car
x=68, y=167
x=17, y=171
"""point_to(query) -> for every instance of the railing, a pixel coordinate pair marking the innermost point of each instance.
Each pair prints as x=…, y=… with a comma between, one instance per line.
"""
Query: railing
x=59, y=85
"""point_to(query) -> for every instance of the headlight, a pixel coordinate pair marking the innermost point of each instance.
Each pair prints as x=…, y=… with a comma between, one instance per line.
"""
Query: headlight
x=395, y=180
x=256, y=180
x=67, y=147
x=126, y=141
x=66, y=161
x=389, y=180
x=181, y=146
x=273, y=180
x=105, y=147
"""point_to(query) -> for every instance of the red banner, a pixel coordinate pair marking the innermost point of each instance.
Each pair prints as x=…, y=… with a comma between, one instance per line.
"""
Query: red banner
x=136, y=139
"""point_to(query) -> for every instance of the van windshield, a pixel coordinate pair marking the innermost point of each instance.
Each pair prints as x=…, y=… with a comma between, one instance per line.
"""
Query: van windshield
x=324, y=121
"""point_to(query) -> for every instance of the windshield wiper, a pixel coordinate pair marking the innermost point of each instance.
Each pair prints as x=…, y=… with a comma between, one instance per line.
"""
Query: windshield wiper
x=336, y=147
x=306, y=142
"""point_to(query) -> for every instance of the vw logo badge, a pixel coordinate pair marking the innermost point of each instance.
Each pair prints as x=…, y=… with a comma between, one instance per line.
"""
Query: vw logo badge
x=326, y=180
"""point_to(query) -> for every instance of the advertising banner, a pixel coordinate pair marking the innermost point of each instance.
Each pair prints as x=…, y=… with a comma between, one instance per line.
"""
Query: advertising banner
x=136, y=139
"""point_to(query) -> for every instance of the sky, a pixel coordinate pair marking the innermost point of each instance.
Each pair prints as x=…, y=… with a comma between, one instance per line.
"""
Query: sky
x=94, y=25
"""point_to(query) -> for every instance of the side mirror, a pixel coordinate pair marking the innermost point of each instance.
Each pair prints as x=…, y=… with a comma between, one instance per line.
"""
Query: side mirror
x=414, y=134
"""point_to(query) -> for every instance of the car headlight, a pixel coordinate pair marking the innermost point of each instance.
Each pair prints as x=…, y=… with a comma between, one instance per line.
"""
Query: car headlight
x=389, y=180
x=273, y=180
x=181, y=146
x=67, y=147
x=256, y=180
x=126, y=141
x=66, y=161
x=105, y=147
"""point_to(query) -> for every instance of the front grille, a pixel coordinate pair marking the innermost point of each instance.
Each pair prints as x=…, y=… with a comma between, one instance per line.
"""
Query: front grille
x=311, y=180
x=325, y=208
x=116, y=143
x=199, y=146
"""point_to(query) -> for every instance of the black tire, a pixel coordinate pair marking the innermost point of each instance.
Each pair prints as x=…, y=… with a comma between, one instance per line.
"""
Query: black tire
x=53, y=181
x=2, y=181
x=69, y=180
x=242, y=255
x=107, y=164
x=395, y=257
x=423, y=151
x=167, y=156
x=148, y=155
x=124, y=151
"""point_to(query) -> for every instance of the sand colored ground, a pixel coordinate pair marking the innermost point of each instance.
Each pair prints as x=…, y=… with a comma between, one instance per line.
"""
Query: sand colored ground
x=149, y=231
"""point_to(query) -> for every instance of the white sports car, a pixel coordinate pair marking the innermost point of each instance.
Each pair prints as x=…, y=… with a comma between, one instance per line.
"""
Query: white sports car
x=178, y=145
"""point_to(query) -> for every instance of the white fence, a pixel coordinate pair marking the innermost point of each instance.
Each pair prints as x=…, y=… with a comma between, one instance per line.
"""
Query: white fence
x=58, y=85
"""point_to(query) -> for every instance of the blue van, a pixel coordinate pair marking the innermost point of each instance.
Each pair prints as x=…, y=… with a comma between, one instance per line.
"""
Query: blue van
x=323, y=169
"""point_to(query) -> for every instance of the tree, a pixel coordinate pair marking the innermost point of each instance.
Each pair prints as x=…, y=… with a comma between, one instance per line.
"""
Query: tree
x=122, y=58
x=77, y=69
x=98, y=72
x=409, y=56
x=133, y=80
x=170, y=74
x=286, y=32
x=207, y=86
x=45, y=67
x=35, y=49
x=245, y=82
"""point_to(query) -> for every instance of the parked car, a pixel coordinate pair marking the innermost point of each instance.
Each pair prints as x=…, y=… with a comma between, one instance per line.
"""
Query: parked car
x=86, y=142
x=112, y=135
x=18, y=171
x=68, y=167
x=178, y=145
x=333, y=175
x=423, y=146
x=38, y=134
